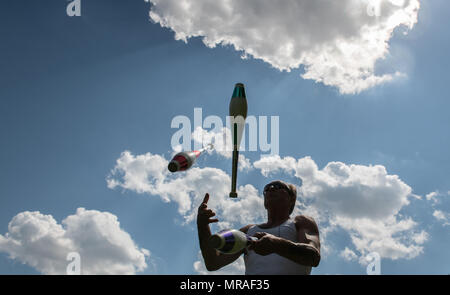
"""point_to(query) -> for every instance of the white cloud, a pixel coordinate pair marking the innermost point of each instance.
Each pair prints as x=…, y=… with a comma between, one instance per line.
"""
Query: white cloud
x=363, y=200
x=392, y=238
x=337, y=42
x=421, y=237
x=235, y=268
x=244, y=163
x=146, y=174
x=442, y=216
x=438, y=201
x=273, y=164
x=348, y=190
x=138, y=170
x=39, y=241
x=221, y=140
x=439, y=215
x=348, y=254
x=432, y=196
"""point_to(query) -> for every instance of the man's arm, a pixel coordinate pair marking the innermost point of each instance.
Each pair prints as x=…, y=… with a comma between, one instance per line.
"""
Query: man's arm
x=305, y=252
x=214, y=260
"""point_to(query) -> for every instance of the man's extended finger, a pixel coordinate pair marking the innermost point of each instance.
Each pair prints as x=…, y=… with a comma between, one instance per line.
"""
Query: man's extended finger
x=206, y=199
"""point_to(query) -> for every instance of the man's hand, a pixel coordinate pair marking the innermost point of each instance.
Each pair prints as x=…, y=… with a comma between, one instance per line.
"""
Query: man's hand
x=265, y=244
x=214, y=260
x=204, y=214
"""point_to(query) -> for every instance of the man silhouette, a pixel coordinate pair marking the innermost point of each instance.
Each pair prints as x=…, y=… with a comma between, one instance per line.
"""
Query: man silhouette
x=285, y=245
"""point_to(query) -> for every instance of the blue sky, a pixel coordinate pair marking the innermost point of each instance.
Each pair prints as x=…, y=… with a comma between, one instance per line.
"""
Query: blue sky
x=77, y=92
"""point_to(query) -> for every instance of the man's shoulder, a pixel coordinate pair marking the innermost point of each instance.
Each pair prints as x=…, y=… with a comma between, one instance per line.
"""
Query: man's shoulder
x=246, y=228
x=305, y=221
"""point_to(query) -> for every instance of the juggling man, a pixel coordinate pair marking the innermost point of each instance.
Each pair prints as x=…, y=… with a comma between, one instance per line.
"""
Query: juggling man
x=285, y=245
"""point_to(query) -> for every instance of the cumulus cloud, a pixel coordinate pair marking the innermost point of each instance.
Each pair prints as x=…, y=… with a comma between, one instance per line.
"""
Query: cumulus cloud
x=39, y=241
x=392, y=238
x=432, y=196
x=337, y=42
x=365, y=201
x=439, y=202
x=148, y=174
x=348, y=190
x=348, y=254
x=439, y=215
x=235, y=268
x=442, y=217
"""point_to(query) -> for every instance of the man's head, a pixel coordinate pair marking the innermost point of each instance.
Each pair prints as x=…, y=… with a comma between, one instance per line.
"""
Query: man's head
x=279, y=193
